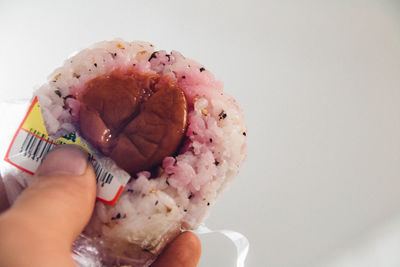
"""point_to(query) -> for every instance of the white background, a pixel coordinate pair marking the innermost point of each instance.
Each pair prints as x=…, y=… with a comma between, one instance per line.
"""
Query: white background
x=319, y=82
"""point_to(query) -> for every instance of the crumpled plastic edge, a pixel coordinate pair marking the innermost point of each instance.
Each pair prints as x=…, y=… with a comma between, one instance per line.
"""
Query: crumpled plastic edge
x=239, y=240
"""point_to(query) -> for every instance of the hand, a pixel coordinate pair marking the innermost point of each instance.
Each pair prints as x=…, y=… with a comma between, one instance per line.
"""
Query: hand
x=39, y=229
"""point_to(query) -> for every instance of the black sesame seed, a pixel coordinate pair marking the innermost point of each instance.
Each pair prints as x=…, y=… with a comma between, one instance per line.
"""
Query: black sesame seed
x=166, y=181
x=211, y=140
x=244, y=133
x=57, y=92
x=194, y=133
x=116, y=217
x=208, y=203
x=222, y=115
x=156, y=203
x=168, y=56
x=115, y=54
x=130, y=191
x=216, y=162
x=202, y=69
x=95, y=64
x=183, y=77
x=146, y=250
x=190, y=196
x=153, y=55
x=185, y=210
x=134, y=65
x=68, y=96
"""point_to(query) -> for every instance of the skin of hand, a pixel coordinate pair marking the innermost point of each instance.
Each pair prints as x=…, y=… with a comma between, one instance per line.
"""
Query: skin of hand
x=40, y=227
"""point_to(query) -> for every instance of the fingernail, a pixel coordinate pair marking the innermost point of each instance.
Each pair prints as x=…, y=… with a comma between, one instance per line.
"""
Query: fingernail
x=67, y=159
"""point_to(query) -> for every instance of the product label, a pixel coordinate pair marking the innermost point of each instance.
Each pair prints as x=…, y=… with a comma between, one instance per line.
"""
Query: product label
x=31, y=143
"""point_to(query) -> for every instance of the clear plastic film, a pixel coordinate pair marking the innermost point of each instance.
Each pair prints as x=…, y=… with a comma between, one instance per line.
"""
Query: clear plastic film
x=239, y=240
x=16, y=179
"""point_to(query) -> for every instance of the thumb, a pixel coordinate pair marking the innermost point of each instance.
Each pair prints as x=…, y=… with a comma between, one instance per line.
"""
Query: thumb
x=63, y=194
x=50, y=214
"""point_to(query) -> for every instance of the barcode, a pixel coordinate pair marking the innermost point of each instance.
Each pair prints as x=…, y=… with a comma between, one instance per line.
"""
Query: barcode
x=36, y=146
x=102, y=176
